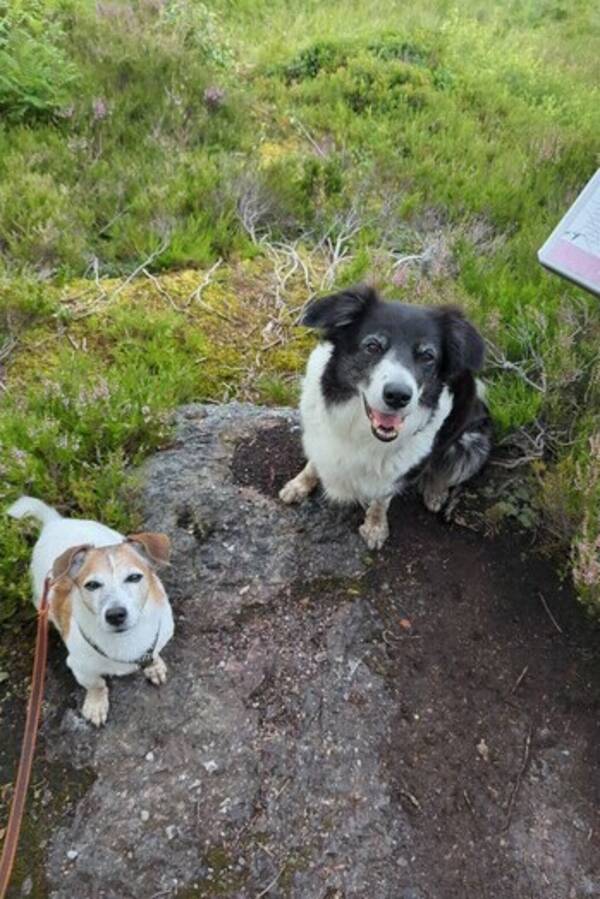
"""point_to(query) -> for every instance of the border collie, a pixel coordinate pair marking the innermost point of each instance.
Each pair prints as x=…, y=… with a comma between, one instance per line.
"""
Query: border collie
x=389, y=397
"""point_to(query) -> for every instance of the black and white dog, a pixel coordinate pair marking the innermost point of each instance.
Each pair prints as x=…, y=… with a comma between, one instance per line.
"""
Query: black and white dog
x=389, y=397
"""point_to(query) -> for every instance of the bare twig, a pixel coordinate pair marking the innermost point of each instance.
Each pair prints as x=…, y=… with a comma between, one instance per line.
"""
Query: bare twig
x=499, y=360
x=468, y=802
x=405, y=260
x=532, y=447
x=550, y=615
x=196, y=294
x=7, y=347
x=514, y=463
x=338, y=252
x=519, y=679
x=160, y=289
x=519, y=777
x=411, y=798
x=304, y=130
x=139, y=269
x=252, y=206
x=273, y=883
x=111, y=222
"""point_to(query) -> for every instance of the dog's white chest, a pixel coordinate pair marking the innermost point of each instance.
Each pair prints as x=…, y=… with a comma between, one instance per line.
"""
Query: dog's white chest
x=106, y=654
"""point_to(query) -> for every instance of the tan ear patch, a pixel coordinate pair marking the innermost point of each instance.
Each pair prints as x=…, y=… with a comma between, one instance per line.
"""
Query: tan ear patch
x=61, y=608
x=69, y=562
x=155, y=547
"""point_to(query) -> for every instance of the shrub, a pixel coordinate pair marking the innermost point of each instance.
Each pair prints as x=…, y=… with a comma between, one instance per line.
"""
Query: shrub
x=37, y=78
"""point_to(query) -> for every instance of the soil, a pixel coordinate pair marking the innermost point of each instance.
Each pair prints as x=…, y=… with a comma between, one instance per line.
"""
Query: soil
x=417, y=723
x=496, y=677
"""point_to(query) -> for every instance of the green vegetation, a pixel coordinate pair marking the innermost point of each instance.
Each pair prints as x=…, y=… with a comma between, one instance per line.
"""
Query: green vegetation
x=177, y=177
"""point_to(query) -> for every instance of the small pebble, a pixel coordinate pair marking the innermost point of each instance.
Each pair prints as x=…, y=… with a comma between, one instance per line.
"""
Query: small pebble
x=483, y=750
x=145, y=815
x=149, y=756
x=211, y=766
x=170, y=831
x=72, y=854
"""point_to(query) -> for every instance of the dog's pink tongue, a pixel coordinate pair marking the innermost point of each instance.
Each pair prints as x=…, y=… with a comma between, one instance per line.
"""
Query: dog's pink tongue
x=381, y=420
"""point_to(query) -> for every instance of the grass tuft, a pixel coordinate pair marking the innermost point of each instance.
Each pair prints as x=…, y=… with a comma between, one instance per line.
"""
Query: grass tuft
x=177, y=178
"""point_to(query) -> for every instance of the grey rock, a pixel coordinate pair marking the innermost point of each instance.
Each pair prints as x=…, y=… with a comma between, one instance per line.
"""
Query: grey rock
x=279, y=675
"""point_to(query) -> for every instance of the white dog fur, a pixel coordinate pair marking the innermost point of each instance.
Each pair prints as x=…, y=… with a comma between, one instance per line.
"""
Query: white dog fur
x=106, y=600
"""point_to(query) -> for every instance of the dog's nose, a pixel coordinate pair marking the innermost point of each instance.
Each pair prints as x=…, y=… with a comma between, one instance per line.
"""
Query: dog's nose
x=397, y=395
x=116, y=615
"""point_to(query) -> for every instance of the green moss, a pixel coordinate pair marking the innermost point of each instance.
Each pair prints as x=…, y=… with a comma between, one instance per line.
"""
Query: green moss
x=333, y=134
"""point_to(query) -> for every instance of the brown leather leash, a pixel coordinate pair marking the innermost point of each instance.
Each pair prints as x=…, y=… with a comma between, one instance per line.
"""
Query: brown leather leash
x=13, y=828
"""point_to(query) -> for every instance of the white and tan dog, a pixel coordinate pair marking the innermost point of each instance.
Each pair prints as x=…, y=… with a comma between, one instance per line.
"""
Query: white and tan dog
x=106, y=600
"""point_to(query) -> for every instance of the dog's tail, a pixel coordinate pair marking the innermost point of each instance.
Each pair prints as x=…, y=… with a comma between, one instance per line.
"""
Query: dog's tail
x=28, y=507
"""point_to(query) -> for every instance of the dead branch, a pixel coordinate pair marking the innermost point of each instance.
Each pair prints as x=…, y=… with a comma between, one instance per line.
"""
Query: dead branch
x=339, y=251
x=139, y=269
x=519, y=777
x=550, y=615
x=251, y=209
x=499, y=360
x=7, y=347
x=520, y=679
x=160, y=289
x=273, y=883
x=306, y=133
x=530, y=447
x=196, y=294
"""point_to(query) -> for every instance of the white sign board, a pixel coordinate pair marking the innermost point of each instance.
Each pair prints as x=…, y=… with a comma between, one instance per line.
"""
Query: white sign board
x=573, y=248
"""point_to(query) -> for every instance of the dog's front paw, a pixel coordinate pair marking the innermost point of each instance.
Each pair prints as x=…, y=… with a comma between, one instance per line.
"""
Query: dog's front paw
x=293, y=492
x=434, y=499
x=156, y=672
x=374, y=533
x=95, y=705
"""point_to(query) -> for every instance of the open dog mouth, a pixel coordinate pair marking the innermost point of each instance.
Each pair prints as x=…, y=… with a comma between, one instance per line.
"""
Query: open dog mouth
x=385, y=426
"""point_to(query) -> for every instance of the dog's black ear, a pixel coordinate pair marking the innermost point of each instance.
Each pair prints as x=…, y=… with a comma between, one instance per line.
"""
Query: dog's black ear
x=338, y=310
x=69, y=562
x=156, y=548
x=463, y=346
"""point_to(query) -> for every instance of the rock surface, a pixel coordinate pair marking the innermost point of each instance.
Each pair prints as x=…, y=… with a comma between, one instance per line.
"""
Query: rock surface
x=336, y=725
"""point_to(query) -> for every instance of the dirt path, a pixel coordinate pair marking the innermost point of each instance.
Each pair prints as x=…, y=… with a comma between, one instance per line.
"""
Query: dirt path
x=413, y=724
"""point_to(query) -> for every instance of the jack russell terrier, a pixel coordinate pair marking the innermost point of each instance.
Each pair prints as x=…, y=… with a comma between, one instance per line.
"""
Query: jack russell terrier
x=105, y=599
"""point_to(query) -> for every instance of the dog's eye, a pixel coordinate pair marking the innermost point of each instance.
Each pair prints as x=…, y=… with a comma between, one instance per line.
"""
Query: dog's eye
x=133, y=578
x=373, y=346
x=426, y=355
x=92, y=585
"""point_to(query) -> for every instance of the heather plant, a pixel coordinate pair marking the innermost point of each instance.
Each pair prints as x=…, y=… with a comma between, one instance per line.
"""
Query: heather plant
x=177, y=178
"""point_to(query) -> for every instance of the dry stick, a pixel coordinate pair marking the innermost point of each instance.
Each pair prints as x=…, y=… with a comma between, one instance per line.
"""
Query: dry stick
x=499, y=360
x=509, y=464
x=139, y=269
x=196, y=294
x=520, y=678
x=411, y=798
x=7, y=348
x=106, y=298
x=34, y=706
x=160, y=289
x=519, y=777
x=273, y=883
x=468, y=802
x=304, y=130
x=550, y=615
x=402, y=260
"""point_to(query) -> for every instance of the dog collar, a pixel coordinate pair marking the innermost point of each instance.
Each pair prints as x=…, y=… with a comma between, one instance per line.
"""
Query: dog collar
x=143, y=661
